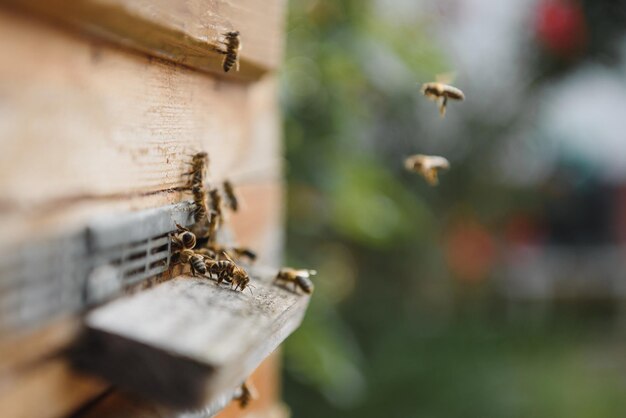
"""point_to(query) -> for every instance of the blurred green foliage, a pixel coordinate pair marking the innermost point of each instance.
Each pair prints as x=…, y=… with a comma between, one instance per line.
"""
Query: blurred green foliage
x=390, y=331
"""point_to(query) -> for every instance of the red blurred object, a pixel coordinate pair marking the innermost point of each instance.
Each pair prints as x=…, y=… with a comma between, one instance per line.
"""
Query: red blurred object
x=470, y=251
x=523, y=229
x=561, y=27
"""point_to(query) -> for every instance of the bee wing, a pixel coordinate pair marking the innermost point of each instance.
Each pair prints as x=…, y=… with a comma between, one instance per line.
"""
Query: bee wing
x=254, y=393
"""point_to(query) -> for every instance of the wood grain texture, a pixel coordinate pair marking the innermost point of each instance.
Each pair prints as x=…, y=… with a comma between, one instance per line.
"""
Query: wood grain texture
x=96, y=124
x=186, y=32
x=188, y=341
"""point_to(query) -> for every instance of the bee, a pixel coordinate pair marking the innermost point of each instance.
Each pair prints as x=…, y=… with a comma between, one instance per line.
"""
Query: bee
x=231, y=198
x=236, y=253
x=199, y=164
x=238, y=276
x=216, y=201
x=441, y=92
x=229, y=272
x=184, y=238
x=201, y=213
x=207, y=253
x=247, y=392
x=232, y=43
x=299, y=278
x=196, y=261
x=427, y=166
x=243, y=252
x=221, y=269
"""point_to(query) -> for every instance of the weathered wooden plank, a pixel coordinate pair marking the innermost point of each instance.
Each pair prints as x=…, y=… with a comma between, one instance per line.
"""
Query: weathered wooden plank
x=188, y=341
x=186, y=32
x=100, y=122
x=265, y=378
x=96, y=124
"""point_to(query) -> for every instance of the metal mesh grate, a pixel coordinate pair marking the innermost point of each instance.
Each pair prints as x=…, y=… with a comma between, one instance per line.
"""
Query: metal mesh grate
x=45, y=280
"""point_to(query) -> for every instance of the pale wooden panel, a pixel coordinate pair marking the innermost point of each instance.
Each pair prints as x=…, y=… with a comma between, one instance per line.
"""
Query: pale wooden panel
x=186, y=32
x=49, y=389
x=97, y=124
x=17, y=354
x=188, y=342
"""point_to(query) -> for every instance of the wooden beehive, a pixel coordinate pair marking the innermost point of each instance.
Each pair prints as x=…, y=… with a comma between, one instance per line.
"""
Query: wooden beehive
x=102, y=104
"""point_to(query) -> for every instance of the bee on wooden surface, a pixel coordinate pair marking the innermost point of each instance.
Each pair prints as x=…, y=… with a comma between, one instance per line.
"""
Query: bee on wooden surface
x=243, y=252
x=231, y=198
x=207, y=253
x=195, y=261
x=199, y=164
x=235, y=252
x=214, y=223
x=238, y=276
x=221, y=269
x=201, y=212
x=216, y=201
x=299, y=278
x=247, y=392
x=440, y=92
x=183, y=238
x=428, y=166
x=232, y=42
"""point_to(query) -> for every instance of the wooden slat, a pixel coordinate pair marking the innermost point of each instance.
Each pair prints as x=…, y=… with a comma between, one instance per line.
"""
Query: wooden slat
x=188, y=341
x=95, y=124
x=265, y=378
x=186, y=32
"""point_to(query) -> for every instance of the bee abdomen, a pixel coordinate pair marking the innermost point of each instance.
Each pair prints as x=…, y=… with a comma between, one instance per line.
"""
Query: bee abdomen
x=229, y=62
x=197, y=262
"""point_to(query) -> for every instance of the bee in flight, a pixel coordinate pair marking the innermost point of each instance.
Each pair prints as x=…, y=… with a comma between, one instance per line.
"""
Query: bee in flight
x=427, y=165
x=440, y=92
x=232, y=43
x=299, y=278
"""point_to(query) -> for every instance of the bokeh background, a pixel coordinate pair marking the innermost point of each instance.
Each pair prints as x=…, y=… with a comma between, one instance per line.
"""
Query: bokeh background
x=501, y=292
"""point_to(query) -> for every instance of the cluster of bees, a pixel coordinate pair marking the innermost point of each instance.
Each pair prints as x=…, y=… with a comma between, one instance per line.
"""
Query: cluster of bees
x=198, y=248
x=429, y=165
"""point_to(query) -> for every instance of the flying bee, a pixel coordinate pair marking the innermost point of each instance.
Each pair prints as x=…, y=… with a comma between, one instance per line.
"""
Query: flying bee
x=299, y=278
x=427, y=166
x=247, y=392
x=199, y=164
x=184, y=238
x=231, y=197
x=440, y=92
x=232, y=42
x=195, y=261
